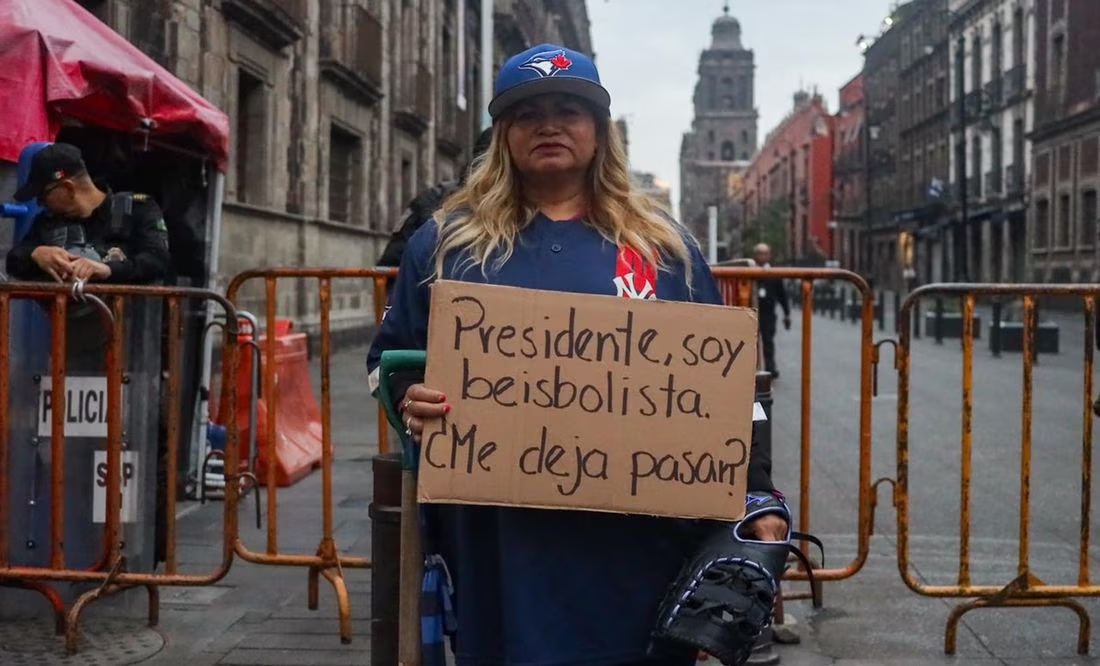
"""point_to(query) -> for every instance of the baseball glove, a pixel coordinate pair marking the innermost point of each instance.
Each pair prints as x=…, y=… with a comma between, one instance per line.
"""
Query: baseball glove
x=722, y=600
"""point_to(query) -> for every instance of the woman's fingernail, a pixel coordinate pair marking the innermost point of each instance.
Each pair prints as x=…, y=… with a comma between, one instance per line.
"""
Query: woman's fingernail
x=447, y=409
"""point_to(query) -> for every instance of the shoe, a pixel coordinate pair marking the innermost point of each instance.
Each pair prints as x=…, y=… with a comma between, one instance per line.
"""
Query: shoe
x=775, y=374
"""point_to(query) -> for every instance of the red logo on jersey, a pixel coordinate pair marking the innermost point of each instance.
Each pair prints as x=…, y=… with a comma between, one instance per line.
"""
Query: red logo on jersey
x=634, y=276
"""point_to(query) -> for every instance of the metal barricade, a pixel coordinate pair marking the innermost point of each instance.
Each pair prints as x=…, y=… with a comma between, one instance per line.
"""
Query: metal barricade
x=109, y=574
x=327, y=561
x=736, y=285
x=1025, y=590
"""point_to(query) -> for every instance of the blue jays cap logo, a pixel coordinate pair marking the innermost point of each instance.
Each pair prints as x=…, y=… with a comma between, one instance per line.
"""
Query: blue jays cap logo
x=548, y=63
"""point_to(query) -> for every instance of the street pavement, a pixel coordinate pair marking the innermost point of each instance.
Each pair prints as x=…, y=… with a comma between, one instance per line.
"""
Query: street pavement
x=258, y=614
x=874, y=617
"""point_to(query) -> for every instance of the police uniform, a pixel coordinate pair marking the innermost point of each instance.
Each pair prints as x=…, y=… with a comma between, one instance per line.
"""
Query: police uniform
x=126, y=232
x=536, y=587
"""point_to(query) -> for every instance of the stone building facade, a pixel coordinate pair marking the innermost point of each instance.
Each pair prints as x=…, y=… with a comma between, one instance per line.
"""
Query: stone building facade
x=1065, y=238
x=924, y=150
x=723, y=135
x=341, y=111
x=992, y=45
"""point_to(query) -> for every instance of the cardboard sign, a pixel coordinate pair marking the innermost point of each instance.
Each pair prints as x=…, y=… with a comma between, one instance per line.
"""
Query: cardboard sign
x=588, y=402
x=129, y=471
x=85, y=407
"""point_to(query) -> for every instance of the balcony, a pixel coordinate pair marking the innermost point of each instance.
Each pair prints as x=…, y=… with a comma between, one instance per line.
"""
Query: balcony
x=276, y=23
x=351, y=56
x=1050, y=107
x=1014, y=180
x=993, y=99
x=993, y=182
x=1015, y=84
x=452, y=127
x=413, y=108
x=973, y=105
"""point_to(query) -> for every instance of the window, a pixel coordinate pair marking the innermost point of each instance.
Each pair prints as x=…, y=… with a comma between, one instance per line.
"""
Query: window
x=998, y=52
x=250, y=141
x=976, y=64
x=1087, y=228
x=727, y=102
x=710, y=136
x=344, y=174
x=745, y=155
x=1057, y=67
x=1042, y=224
x=744, y=136
x=727, y=151
x=97, y=7
x=408, y=188
x=1063, y=222
x=997, y=159
x=1018, y=46
x=976, y=158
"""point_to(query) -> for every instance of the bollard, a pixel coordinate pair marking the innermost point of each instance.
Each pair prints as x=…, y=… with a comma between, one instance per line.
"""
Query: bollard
x=897, y=309
x=880, y=310
x=385, y=527
x=995, y=330
x=938, y=322
x=916, y=319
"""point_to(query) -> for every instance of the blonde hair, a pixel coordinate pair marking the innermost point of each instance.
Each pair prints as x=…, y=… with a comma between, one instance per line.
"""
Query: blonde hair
x=484, y=217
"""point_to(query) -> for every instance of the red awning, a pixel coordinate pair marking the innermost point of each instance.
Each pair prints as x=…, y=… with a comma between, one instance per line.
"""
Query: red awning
x=57, y=60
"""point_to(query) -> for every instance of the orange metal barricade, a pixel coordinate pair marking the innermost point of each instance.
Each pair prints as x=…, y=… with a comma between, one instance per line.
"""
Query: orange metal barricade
x=327, y=561
x=737, y=286
x=110, y=571
x=1025, y=590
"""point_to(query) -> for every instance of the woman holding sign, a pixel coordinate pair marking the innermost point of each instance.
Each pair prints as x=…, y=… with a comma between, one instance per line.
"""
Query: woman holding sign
x=551, y=206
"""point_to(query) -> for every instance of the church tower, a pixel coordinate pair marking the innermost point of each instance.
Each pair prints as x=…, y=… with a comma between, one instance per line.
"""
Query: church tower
x=722, y=140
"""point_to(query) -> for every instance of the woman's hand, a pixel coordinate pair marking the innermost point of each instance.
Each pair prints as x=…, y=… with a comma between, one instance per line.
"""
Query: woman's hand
x=769, y=527
x=421, y=404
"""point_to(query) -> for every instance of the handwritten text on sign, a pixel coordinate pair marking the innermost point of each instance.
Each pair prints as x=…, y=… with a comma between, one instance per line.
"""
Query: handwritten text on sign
x=575, y=401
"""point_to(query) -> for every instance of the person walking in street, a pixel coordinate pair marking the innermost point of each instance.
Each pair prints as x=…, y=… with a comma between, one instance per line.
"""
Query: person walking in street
x=770, y=292
x=86, y=232
x=552, y=206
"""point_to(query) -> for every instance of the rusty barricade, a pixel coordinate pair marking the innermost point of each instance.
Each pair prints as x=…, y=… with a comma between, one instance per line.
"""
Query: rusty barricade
x=326, y=562
x=1025, y=590
x=737, y=285
x=109, y=574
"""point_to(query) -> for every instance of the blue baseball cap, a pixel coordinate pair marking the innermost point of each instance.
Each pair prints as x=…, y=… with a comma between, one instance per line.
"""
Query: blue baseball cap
x=547, y=68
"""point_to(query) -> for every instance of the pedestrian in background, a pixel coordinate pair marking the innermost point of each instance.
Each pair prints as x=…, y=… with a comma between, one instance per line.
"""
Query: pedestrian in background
x=552, y=206
x=770, y=292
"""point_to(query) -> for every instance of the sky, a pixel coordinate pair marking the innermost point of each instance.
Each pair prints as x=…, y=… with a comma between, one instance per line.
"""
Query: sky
x=648, y=51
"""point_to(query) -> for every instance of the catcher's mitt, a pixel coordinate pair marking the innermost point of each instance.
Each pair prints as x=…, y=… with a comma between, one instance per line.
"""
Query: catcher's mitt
x=723, y=598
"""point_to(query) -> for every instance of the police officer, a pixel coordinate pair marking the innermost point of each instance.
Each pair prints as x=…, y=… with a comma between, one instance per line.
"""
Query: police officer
x=86, y=232
x=770, y=293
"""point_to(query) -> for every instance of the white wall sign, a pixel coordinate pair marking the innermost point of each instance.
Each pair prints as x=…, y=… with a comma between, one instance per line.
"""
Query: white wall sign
x=129, y=487
x=85, y=407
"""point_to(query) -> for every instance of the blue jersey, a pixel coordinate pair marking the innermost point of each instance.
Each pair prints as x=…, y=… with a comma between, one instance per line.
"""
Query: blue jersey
x=541, y=587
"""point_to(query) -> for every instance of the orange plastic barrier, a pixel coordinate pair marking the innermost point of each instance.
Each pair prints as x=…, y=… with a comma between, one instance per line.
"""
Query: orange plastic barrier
x=298, y=430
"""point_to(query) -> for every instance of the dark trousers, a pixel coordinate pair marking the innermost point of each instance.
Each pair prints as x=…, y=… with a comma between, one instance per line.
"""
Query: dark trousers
x=767, y=340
